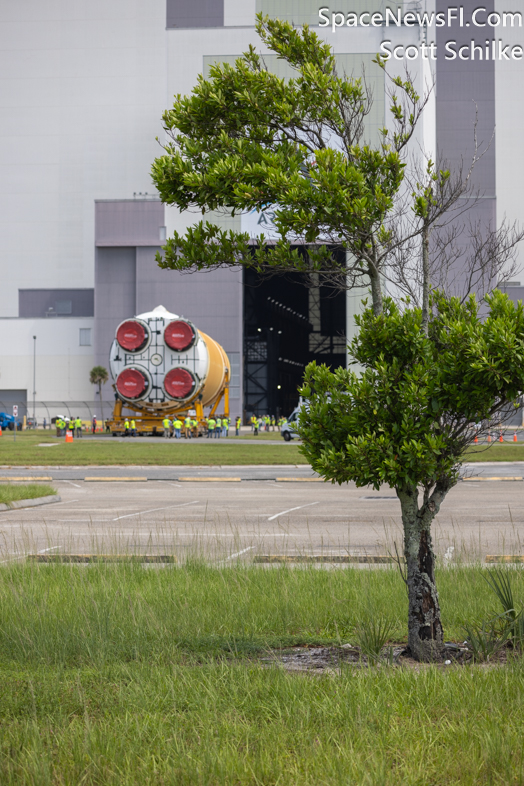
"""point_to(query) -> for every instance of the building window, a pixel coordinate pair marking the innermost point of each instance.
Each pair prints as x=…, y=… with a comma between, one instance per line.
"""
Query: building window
x=85, y=337
x=64, y=307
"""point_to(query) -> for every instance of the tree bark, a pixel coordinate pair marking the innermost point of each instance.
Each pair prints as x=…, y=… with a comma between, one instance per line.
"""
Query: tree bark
x=376, y=292
x=425, y=633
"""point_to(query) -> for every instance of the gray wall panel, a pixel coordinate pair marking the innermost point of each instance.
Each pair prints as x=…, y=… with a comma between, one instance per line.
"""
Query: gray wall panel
x=128, y=222
x=10, y=397
x=39, y=303
x=115, y=296
x=194, y=13
x=460, y=86
x=464, y=88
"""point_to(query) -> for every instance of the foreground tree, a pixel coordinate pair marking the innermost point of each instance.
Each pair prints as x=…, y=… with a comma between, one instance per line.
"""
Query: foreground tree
x=407, y=420
x=245, y=139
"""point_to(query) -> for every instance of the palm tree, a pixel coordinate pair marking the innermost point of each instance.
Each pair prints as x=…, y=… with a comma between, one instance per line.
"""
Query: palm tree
x=99, y=376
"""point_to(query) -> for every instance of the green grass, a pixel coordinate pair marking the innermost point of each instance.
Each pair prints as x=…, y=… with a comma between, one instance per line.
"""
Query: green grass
x=497, y=451
x=121, y=675
x=107, y=451
x=10, y=492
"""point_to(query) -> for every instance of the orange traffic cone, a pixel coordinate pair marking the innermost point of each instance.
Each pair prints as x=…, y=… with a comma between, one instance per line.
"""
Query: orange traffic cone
x=476, y=439
x=69, y=436
x=489, y=437
x=501, y=438
x=0, y=431
x=514, y=436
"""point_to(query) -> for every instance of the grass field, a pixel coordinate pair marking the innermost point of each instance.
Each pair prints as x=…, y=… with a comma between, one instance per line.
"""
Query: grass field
x=106, y=451
x=120, y=675
x=10, y=492
x=26, y=451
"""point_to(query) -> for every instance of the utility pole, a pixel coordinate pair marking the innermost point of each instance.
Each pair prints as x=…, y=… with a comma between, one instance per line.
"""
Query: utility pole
x=34, y=380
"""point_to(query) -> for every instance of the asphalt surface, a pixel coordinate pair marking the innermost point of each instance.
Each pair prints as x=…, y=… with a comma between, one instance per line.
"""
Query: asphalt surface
x=273, y=472
x=226, y=520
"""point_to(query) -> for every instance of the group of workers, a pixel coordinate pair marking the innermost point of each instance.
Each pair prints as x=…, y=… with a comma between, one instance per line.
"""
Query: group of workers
x=174, y=427
x=74, y=425
x=217, y=427
x=265, y=423
x=188, y=427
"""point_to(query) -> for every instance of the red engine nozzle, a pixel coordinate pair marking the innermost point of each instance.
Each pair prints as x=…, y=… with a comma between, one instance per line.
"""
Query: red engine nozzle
x=179, y=383
x=132, y=335
x=131, y=383
x=180, y=335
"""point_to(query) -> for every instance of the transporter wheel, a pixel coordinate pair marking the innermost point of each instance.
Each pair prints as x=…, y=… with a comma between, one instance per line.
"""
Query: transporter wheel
x=287, y=436
x=114, y=433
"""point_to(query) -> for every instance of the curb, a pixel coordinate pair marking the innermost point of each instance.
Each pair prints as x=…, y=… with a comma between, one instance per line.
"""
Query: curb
x=25, y=478
x=114, y=480
x=300, y=480
x=343, y=559
x=495, y=477
x=30, y=503
x=210, y=480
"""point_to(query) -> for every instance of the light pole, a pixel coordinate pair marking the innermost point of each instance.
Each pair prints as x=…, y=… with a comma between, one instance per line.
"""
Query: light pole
x=34, y=380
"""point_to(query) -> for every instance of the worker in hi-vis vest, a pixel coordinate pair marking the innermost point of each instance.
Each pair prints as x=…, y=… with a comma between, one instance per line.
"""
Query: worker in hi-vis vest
x=187, y=427
x=126, y=428
x=238, y=423
x=218, y=428
x=166, y=424
x=133, y=428
x=211, y=423
x=78, y=427
x=177, y=425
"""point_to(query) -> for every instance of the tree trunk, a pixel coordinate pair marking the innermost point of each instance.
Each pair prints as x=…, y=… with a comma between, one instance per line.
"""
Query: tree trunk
x=425, y=278
x=425, y=633
x=376, y=292
x=101, y=403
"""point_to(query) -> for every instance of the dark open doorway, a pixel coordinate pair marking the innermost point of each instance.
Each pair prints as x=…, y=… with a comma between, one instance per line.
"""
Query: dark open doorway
x=288, y=322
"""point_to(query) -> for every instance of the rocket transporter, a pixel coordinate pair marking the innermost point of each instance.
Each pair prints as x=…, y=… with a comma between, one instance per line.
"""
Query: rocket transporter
x=163, y=366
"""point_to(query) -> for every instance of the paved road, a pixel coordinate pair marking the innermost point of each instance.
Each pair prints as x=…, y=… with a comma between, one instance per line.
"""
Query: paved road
x=229, y=520
x=251, y=472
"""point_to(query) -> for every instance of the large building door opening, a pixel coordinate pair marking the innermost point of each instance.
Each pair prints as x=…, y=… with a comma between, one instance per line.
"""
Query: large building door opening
x=288, y=322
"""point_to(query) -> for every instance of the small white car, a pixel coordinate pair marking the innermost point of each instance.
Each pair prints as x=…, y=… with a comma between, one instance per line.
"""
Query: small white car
x=287, y=430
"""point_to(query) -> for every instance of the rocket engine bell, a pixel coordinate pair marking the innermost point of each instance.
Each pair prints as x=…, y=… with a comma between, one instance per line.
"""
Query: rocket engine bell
x=160, y=362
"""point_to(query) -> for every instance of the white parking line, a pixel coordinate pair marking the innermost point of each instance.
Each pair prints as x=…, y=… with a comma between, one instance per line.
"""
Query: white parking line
x=290, y=509
x=153, y=510
x=238, y=553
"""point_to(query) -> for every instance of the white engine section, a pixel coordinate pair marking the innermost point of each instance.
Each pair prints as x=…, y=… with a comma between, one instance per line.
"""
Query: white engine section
x=158, y=358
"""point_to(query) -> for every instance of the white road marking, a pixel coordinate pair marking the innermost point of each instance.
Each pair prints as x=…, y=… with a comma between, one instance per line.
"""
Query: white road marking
x=153, y=510
x=290, y=509
x=238, y=553
x=71, y=482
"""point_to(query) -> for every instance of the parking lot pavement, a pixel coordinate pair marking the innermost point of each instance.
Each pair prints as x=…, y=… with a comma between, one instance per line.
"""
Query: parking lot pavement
x=230, y=520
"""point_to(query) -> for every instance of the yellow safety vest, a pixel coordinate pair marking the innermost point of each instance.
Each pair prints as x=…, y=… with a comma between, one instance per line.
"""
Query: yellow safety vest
x=166, y=422
x=178, y=424
x=133, y=425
